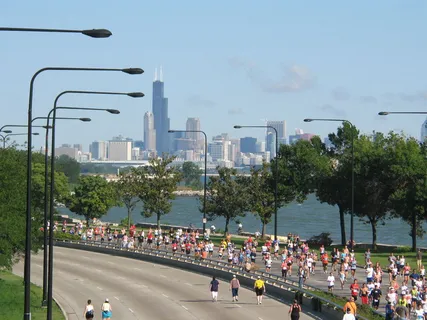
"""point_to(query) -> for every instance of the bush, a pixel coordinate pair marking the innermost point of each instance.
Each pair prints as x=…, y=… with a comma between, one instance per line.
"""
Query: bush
x=66, y=236
x=323, y=238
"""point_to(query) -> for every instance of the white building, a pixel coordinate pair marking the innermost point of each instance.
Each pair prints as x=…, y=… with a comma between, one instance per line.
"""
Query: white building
x=149, y=132
x=424, y=131
x=119, y=150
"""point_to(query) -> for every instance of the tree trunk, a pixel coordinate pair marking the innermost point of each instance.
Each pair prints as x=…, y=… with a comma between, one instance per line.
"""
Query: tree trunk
x=374, y=234
x=263, y=228
x=414, y=232
x=342, y=226
x=227, y=221
x=129, y=213
x=158, y=221
x=87, y=223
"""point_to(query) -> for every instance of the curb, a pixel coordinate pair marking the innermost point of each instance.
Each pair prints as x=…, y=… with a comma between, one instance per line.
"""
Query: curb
x=62, y=308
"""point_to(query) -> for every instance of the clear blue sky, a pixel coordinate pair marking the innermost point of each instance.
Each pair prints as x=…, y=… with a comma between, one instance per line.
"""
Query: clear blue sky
x=226, y=62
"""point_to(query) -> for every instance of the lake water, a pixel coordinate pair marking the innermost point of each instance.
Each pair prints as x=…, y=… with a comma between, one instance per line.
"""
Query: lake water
x=306, y=219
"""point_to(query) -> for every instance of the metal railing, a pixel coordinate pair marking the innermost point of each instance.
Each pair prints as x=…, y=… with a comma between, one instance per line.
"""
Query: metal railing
x=270, y=279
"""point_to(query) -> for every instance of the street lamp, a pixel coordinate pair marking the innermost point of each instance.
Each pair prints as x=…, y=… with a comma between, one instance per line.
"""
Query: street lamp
x=13, y=134
x=386, y=113
x=206, y=166
x=27, y=262
x=352, y=171
x=93, y=33
x=276, y=178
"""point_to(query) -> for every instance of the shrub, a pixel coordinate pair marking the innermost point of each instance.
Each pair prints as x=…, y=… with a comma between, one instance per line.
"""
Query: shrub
x=323, y=238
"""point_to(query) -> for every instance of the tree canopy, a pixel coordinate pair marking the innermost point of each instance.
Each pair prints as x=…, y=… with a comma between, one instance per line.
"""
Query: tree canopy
x=191, y=174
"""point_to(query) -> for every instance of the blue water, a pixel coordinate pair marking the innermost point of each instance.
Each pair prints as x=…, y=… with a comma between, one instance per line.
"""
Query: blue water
x=307, y=219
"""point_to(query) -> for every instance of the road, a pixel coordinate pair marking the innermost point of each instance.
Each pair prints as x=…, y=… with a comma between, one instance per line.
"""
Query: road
x=142, y=290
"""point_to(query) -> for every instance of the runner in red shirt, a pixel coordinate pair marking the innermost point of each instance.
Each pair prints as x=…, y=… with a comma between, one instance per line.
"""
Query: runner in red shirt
x=354, y=288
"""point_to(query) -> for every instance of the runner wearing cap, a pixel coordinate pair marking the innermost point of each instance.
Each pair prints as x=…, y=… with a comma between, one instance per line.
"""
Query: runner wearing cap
x=234, y=287
x=106, y=310
x=259, y=289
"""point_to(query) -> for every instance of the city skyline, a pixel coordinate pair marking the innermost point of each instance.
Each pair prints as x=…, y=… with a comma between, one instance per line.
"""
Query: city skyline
x=331, y=60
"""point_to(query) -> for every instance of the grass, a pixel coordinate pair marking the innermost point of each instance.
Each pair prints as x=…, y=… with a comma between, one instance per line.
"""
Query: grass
x=12, y=299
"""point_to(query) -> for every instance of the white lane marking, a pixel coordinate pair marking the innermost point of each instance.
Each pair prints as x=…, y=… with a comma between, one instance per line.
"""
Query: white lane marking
x=84, y=257
x=260, y=318
x=184, y=307
x=109, y=262
x=99, y=288
x=239, y=306
x=98, y=270
x=38, y=265
x=121, y=278
x=163, y=276
x=135, y=269
x=144, y=286
x=165, y=295
x=131, y=310
x=116, y=298
x=188, y=284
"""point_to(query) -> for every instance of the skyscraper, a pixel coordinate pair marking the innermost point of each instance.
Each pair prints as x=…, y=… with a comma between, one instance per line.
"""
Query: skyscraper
x=149, y=132
x=424, y=131
x=193, y=124
x=270, y=143
x=160, y=112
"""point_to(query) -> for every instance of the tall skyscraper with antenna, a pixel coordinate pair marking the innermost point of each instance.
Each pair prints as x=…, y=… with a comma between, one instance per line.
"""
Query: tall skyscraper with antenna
x=160, y=112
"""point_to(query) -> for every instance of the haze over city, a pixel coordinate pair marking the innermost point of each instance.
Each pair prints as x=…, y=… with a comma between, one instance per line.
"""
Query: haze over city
x=245, y=63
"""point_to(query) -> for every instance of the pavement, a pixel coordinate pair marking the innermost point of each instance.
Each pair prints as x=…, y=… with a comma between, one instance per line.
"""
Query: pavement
x=142, y=290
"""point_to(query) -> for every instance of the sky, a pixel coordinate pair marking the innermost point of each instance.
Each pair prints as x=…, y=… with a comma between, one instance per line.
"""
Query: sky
x=225, y=62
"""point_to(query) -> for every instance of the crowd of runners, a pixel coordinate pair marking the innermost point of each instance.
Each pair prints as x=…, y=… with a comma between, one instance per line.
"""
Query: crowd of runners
x=402, y=289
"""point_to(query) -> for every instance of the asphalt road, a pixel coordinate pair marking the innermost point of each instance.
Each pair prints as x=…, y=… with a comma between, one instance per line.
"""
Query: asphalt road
x=141, y=290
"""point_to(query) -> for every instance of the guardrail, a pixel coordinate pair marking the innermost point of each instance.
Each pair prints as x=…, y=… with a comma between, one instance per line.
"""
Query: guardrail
x=282, y=289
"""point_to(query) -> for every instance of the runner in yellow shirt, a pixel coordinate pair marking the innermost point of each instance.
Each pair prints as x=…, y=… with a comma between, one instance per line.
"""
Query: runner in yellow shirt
x=259, y=287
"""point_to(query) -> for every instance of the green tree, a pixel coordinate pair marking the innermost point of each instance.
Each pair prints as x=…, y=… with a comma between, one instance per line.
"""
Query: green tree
x=410, y=177
x=191, y=175
x=160, y=180
x=69, y=166
x=335, y=188
x=226, y=196
x=92, y=197
x=128, y=188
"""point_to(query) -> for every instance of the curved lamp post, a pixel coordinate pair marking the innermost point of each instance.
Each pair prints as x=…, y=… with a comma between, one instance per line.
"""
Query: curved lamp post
x=205, y=179
x=352, y=171
x=53, y=114
x=276, y=178
x=27, y=262
x=93, y=33
x=14, y=134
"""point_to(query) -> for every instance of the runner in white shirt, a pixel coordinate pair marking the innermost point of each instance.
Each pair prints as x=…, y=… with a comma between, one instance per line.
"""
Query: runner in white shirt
x=331, y=282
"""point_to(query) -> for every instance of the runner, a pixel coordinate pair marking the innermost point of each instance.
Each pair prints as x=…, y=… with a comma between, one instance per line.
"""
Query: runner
x=348, y=315
x=295, y=310
x=259, y=289
x=213, y=287
x=331, y=282
x=89, y=310
x=234, y=287
x=106, y=310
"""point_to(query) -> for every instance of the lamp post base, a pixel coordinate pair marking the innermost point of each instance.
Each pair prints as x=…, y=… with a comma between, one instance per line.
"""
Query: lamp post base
x=44, y=304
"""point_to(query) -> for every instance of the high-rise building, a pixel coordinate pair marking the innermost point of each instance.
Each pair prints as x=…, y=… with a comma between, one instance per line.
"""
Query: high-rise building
x=280, y=126
x=424, y=131
x=119, y=149
x=193, y=124
x=248, y=145
x=78, y=146
x=98, y=149
x=149, y=132
x=160, y=112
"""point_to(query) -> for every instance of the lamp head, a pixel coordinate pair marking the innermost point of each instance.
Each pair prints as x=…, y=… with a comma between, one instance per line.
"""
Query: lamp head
x=237, y=127
x=7, y=131
x=171, y=131
x=35, y=134
x=85, y=119
x=113, y=111
x=136, y=94
x=133, y=70
x=383, y=113
x=97, y=33
x=308, y=120
x=47, y=127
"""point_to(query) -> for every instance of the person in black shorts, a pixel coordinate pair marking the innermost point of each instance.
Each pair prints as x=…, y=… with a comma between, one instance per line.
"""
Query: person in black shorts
x=295, y=310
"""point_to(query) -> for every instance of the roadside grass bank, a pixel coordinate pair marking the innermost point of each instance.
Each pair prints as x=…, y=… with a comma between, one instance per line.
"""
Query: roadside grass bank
x=12, y=299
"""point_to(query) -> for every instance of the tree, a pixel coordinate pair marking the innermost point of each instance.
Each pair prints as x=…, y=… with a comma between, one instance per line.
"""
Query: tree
x=261, y=194
x=410, y=175
x=160, y=180
x=191, y=175
x=226, y=196
x=128, y=188
x=69, y=166
x=335, y=188
x=92, y=198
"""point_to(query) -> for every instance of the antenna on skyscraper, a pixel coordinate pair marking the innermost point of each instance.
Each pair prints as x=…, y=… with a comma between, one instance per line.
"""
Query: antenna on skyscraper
x=161, y=74
x=155, y=74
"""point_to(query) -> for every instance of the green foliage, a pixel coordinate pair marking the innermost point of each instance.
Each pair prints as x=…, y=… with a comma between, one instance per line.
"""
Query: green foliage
x=227, y=196
x=191, y=175
x=158, y=182
x=126, y=222
x=69, y=166
x=92, y=197
x=66, y=236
